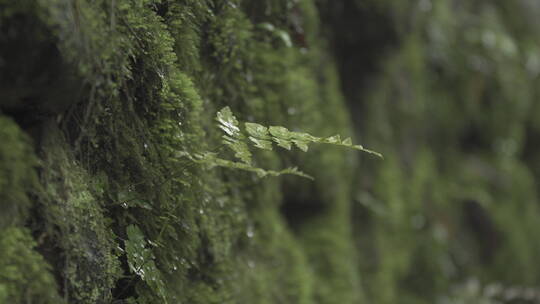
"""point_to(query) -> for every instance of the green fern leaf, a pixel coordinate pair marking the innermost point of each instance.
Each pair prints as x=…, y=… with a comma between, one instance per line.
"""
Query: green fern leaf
x=259, y=135
x=227, y=122
x=262, y=137
x=281, y=136
x=336, y=140
x=212, y=160
x=233, y=138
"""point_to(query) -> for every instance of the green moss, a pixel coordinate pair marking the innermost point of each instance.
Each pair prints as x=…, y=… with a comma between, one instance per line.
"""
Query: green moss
x=154, y=74
x=17, y=164
x=78, y=235
x=26, y=276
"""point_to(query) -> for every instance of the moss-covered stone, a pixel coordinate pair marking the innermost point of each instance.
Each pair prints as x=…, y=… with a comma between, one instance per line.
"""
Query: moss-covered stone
x=18, y=177
x=100, y=203
x=26, y=276
x=116, y=192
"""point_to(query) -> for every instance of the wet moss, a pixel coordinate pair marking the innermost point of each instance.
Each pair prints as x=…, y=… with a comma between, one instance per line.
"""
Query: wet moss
x=18, y=177
x=26, y=276
x=112, y=171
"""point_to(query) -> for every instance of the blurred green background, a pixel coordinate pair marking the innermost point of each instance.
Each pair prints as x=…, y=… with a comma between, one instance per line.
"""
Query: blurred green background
x=448, y=91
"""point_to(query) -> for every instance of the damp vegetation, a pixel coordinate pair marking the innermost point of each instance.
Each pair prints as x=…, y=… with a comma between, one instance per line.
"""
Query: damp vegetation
x=185, y=151
x=108, y=128
x=262, y=137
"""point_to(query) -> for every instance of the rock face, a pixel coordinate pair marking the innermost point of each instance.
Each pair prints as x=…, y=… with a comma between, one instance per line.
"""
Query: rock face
x=101, y=101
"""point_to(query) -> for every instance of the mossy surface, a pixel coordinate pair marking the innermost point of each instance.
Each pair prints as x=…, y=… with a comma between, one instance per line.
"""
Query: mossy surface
x=118, y=215
x=102, y=100
x=26, y=276
x=18, y=176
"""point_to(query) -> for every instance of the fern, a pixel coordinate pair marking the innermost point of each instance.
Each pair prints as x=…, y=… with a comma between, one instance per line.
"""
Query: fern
x=262, y=137
x=212, y=160
x=233, y=137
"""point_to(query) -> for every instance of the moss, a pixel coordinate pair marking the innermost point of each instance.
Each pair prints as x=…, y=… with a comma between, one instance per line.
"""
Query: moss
x=26, y=276
x=17, y=164
x=134, y=85
x=153, y=74
x=76, y=229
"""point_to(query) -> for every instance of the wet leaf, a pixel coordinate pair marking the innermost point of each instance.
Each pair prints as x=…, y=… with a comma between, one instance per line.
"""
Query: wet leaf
x=233, y=138
x=228, y=122
x=261, y=143
x=257, y=130
x=262, y=137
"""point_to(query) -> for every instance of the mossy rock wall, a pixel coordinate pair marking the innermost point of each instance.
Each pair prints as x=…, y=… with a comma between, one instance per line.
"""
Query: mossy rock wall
x=101, y=101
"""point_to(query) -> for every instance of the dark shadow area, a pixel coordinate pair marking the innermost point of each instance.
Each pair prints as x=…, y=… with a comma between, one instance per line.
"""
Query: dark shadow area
x=361, y=36
x=301, y=203
x=36, y=84
x=483, y=230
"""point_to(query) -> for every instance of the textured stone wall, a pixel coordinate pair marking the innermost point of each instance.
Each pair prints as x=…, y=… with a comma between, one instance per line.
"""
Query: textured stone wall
x=102, y=102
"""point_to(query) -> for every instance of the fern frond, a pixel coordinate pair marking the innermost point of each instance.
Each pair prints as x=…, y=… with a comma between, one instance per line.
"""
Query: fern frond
x=262, y=137
x=212, y=160
x=233, y=137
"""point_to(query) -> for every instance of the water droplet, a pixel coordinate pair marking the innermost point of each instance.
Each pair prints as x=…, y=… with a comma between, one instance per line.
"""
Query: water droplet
x=160, y=74
x=201, y=211
x=124, y=205
x=145, y=145
x=250, y=231
x=141, y=273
